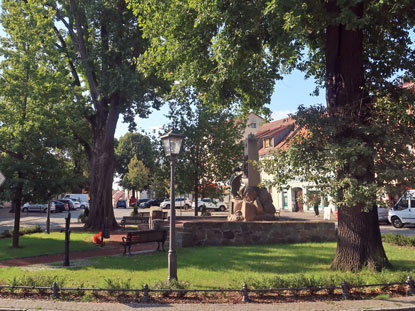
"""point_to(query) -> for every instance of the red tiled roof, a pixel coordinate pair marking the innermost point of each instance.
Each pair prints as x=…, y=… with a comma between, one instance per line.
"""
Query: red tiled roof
x=271, y=128
x=408, y=85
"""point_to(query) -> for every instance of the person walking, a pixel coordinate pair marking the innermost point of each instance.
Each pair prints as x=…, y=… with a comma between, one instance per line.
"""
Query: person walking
x=316, y=202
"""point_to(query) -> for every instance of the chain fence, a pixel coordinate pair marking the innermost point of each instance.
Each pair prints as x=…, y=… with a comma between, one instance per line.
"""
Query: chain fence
x=344, y=287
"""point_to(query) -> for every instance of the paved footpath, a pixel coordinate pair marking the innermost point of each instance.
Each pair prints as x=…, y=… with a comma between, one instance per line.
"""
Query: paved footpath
x=400, y=303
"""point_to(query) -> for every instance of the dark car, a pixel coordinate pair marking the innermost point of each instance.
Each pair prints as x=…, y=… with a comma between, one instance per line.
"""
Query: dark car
x=121, y=203
x=149, y=203
x=142, y=201
x=70, y=203
x=59, y=206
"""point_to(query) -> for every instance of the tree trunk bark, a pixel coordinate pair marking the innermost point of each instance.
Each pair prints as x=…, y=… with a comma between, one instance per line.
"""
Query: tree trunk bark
x=102, y=163
x=359, y=241
x=17, y=203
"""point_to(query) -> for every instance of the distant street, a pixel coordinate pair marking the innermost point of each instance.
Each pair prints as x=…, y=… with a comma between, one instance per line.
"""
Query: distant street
x=57, y=221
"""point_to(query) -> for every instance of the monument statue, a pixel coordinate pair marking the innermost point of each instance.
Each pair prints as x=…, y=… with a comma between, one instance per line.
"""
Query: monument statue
x=250, y=202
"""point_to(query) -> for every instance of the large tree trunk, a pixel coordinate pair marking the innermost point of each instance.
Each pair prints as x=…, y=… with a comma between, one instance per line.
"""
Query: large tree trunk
x=359, y=240
x=102, y=163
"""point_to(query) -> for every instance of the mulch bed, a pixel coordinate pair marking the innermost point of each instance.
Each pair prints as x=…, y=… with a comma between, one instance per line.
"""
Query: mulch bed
x=206, y=297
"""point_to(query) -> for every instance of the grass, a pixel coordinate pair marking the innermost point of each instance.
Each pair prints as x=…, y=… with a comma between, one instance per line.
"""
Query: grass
x=44, y=244
x=221, y=267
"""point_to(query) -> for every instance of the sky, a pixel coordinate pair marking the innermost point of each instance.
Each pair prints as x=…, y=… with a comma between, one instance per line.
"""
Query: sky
x=289, y=93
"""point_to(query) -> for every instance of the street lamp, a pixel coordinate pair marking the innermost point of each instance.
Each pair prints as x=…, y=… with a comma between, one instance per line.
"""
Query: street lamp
x=171, y=144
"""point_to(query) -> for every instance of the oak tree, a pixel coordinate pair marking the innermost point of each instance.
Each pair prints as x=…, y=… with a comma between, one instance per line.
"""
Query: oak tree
x=232, y=52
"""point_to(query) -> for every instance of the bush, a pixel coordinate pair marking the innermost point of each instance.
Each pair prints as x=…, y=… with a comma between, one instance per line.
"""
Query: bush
x=171, y=285
x=36, y=281
x=398, y=239
x=118, y=284
x=203, y=211
x=83, y=217
x=134, y=212
x=22, y=231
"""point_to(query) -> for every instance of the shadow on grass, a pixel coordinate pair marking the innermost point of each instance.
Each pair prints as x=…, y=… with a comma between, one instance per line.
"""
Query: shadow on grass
x=43, y=244
x=276, y=258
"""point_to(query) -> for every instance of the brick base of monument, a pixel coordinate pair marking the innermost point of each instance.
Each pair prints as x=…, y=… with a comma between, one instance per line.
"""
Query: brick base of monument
x=258, y=232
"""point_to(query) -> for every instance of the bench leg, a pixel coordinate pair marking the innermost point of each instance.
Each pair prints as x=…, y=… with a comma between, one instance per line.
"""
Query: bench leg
x=125, y=249
x=129, y=249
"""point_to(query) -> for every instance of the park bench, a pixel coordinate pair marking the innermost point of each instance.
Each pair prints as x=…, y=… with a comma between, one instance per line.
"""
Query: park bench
x=144, y=236
x=134, y=220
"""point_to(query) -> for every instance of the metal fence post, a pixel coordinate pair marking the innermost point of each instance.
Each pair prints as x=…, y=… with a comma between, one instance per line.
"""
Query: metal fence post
x=55, y=290
x=410, y=282
x=145, y=293
x=345, y=289
x=245, y=293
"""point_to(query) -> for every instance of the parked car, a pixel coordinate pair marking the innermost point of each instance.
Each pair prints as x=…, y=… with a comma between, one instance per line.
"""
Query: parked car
x=83, y=198
x=77, y=203
x=383, y=214
x=149, y=203
x=59, y=206
x=121, y=204
x=211, y=204
x=142, y=201
x=80, y=204
x=404, y=210
x=35, y=207
x=179, y=203
x=71, y=204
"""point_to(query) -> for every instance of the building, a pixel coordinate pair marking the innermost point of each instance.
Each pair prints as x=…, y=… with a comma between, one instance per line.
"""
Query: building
x=290, y=197
x=253, y=124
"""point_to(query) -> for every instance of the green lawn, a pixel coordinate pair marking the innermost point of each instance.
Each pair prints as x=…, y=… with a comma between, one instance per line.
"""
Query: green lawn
x=44, y=244
x=212, y=267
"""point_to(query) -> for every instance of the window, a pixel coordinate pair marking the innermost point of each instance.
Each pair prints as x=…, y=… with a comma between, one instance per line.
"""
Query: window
x=267, y=142
x=253, y=125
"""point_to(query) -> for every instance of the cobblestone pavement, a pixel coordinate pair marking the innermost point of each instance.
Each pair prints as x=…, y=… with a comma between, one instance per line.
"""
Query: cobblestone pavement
x=401, y=303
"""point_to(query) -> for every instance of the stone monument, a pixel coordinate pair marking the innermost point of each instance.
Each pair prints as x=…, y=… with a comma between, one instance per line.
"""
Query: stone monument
x=250, y=202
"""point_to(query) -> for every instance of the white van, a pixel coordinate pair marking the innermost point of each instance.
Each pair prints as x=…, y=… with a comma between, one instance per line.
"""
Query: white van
x=81, y=197
x=404, y=210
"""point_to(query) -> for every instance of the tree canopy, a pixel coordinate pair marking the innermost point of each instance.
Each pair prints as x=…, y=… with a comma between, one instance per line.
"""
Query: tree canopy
x=234, y=51
x=100, y=43
x=34, y=106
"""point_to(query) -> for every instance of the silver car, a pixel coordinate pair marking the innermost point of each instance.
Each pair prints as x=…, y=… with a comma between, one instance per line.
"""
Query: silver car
x=29, y=207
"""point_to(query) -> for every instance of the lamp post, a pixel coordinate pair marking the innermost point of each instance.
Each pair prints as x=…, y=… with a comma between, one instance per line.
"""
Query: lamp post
x=172, y=142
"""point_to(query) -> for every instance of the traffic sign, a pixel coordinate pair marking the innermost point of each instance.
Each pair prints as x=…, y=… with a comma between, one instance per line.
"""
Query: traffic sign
x=2, y=178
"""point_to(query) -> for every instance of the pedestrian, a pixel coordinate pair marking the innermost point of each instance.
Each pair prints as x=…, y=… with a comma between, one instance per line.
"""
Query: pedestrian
x=316, y=202
x=133, y=201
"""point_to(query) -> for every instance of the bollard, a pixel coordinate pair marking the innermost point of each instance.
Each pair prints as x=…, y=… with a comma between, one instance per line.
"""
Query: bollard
x=67, y=239
x=55, y=290
x=245, y=293
x=345, y=289
x=145, y=293
x=410, y=282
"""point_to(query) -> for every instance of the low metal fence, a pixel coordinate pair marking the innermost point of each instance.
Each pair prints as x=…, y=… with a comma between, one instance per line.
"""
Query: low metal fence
x=244, y=291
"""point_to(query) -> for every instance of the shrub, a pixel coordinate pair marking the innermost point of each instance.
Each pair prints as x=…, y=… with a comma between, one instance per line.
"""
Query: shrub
x=118, y=284
x=171, y=285
x=398, y=239
x=134, y=212
x=203, y=211
x=83, y=217
x=22, y=231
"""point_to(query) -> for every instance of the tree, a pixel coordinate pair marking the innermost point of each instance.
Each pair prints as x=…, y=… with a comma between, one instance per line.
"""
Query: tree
x=33, y=108
x=101, y=43
x=137, y=177
x=233, y=51
x=211, y=150
x=130, y=145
